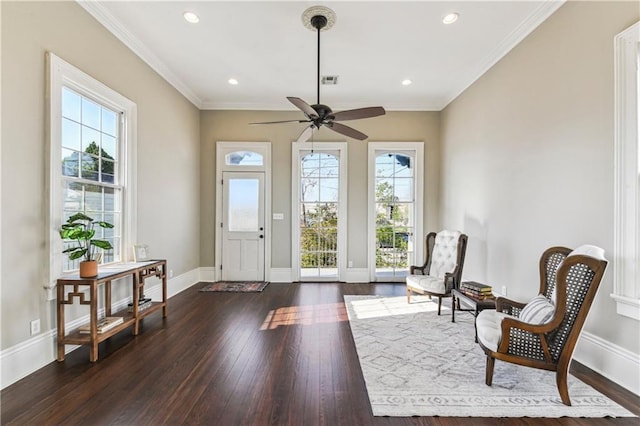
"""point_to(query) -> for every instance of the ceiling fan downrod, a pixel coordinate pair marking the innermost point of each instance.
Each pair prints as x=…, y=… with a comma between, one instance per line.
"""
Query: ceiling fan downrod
x=321, y=18
x=318, y=22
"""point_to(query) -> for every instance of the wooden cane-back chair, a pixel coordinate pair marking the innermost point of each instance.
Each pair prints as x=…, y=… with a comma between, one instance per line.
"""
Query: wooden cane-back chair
x=442, y=269
x=570, y=280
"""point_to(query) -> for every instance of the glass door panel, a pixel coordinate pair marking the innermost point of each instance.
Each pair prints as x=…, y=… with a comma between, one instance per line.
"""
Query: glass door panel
x=319, y=190
x=395, y=206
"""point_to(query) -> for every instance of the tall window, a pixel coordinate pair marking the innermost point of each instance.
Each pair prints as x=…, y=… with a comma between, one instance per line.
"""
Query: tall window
x=91, y=183
x=92, y=154
x=395, y=206
x=320, y=199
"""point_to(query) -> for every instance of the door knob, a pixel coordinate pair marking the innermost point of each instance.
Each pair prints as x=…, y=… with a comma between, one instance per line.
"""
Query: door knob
x=261, y=228
x=261, y=236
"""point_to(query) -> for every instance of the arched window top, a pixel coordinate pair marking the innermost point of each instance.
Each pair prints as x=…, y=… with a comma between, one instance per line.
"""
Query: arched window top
x=244, y=158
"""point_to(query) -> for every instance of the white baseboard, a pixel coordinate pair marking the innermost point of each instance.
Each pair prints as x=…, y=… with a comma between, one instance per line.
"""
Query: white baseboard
x=34, y=353
x=357, y=275
x=208, y=274
x=280, y=275
x=611, y=361
x=353, y=275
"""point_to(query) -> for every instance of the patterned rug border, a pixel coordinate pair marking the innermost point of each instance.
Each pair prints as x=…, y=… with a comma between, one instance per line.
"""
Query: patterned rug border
x=404, y=364
x=235, y=286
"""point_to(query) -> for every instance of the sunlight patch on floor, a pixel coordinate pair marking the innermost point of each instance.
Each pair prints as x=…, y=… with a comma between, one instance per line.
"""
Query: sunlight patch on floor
x=305, y=315
x=389, y=306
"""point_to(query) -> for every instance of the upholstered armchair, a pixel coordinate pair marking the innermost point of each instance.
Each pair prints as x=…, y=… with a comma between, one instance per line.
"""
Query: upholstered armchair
x=442, y=269
x=543, y=333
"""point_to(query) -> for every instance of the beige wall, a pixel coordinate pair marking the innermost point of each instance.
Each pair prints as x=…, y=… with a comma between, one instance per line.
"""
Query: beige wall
x=395, y=126
x=528, y=156
x=168, y=172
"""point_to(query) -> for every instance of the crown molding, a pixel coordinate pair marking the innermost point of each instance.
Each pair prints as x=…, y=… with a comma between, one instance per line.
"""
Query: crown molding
x=258, y=106
x=526, y=27
x=103, y=16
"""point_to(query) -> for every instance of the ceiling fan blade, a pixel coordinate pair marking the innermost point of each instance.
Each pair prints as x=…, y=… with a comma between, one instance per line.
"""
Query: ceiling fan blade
x=356, y=114
x=283, y=121
x=303, y=106
x=306, y=134
x=347, y=131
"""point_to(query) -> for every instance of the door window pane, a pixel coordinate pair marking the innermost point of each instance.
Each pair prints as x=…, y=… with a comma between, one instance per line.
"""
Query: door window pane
x=244, y=205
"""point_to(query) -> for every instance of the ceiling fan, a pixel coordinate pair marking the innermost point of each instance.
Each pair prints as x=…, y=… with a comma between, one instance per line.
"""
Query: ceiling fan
x=320, y=18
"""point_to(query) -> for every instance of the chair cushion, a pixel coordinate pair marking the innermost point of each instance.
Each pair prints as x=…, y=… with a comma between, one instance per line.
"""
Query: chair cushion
x=426, y=283
x=445, y=253
x=488, y=327
x=538, y=311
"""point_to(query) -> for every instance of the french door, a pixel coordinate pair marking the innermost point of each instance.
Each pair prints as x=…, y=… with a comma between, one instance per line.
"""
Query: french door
x=319, y=209
x=395, y=209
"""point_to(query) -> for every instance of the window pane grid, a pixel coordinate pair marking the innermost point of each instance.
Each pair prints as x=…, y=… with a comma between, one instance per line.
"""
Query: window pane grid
x=90, y=170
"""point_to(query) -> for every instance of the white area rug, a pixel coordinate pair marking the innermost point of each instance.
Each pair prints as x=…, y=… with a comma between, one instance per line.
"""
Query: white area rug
x=416, y=363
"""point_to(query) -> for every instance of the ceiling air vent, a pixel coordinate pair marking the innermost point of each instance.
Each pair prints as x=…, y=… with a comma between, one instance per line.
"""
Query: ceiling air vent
x=329, y=79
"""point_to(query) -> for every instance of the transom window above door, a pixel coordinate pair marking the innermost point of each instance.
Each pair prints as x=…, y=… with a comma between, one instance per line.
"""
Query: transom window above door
x=244, y=158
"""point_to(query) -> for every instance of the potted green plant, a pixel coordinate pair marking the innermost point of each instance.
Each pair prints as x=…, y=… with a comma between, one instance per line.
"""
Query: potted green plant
x=81, y=229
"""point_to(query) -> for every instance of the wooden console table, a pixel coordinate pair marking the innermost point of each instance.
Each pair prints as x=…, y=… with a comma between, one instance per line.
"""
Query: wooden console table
x=139, y=271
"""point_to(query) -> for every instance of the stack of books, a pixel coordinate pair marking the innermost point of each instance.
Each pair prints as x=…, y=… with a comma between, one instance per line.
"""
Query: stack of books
x=104, y=325
x=143, y=303
x=477, y=290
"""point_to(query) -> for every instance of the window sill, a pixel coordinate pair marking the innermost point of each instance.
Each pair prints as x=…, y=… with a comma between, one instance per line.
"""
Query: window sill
x=627, y=306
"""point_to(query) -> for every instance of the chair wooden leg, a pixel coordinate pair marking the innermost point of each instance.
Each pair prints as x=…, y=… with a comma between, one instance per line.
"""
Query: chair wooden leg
x=561, y=381
x=439, y=304
x=408, y=295
x=488, y=379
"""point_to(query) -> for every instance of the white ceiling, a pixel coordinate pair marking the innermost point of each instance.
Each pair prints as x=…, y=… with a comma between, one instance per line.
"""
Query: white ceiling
x=372, y=47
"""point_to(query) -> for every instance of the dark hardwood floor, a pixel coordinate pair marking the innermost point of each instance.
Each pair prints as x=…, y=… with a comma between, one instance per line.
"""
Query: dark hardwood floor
x=281, y=357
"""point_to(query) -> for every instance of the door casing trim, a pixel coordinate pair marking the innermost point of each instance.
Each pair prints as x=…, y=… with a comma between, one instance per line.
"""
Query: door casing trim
x=263, y=148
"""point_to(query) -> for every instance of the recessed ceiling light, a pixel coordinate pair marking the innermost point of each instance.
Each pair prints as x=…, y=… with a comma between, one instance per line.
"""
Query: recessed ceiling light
x=406, y=82
x=233, y=81
x=450, y=18
x=191, y=17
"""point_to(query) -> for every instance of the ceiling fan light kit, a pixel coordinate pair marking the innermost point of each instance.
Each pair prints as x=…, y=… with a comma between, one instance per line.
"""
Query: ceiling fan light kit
x=321, y=18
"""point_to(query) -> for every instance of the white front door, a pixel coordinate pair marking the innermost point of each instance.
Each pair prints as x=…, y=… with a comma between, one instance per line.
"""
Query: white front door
x=243, y=226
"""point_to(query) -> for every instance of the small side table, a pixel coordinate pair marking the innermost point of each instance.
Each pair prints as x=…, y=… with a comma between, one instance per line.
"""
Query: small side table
x=477, y=305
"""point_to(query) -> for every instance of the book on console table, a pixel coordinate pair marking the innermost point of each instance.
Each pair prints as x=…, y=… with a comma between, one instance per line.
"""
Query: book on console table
x=142, y=305
x=476, y=288
x=477, y=296
x=104, y=325
x=472, y=285
x=476, y=292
